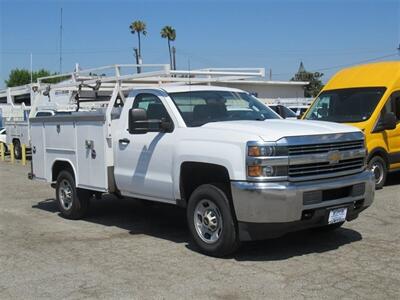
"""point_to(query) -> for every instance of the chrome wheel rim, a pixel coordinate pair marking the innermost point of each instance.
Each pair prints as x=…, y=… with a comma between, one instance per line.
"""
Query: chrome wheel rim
x=208, y=221
x=377, y=169
x=65, y=194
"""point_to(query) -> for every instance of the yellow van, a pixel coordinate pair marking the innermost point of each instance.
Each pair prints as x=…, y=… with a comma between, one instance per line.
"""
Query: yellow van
x=368, y=97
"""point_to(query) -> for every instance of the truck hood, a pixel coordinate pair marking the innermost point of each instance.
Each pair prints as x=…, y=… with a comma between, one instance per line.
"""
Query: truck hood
x=274, y=130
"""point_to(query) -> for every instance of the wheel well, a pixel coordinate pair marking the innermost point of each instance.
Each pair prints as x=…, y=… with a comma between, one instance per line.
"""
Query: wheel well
x=15, y=140
x=194, y=174
x=59, y=166
x=379, y=152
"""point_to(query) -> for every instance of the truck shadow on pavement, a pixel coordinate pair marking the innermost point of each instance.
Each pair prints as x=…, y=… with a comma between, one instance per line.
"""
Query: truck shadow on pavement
x=393, y=179
x=169, y=222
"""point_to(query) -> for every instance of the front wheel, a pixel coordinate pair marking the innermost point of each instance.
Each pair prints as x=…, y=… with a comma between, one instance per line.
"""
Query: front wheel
x=72, y=202
x=210, y=221
x=378, y=166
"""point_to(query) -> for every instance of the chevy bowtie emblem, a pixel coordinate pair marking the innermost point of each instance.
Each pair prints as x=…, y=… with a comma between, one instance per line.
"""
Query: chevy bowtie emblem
x=334, y=156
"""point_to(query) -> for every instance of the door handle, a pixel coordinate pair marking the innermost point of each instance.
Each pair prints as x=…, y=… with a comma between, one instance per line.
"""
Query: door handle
x=124, y=141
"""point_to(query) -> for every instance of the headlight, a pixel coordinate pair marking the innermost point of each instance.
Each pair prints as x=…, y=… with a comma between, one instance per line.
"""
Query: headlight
x=266, y=162
x=259, y=151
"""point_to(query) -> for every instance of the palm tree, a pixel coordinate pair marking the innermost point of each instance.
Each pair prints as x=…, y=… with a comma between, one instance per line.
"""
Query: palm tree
x=138, y=27
x=169, y=33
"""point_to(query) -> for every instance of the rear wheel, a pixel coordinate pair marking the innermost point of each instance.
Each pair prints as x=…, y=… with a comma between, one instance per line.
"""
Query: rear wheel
x=72, y=202
x=17, y=149
x=378, y=166
x=210, y=221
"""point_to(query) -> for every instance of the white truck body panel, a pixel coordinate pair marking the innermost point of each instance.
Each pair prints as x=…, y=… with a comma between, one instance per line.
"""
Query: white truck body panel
x=81, y=142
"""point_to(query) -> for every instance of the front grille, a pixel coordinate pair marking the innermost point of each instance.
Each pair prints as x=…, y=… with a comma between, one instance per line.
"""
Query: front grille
x=315, y=169
x=326, y=147
x=313, y=160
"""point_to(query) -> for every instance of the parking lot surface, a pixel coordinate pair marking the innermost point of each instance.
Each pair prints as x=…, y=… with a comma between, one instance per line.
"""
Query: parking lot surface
x=130, y=249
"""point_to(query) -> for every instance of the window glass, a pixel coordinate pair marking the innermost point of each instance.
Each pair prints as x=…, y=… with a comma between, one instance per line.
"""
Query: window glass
x=200, y=107
x=396, y=104
x=392, y=105
x=152, y=105
x=346, y=105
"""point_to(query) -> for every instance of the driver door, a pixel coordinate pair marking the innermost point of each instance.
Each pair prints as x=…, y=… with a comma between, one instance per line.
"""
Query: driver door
x=392, y=137
x=143, y=164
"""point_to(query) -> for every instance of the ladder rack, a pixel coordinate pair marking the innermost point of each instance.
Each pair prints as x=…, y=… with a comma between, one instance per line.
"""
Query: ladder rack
x=105, y=77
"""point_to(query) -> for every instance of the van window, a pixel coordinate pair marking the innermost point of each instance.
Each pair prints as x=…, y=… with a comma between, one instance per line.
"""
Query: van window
x=346, y=105
x=395, y=98
x=392, y=105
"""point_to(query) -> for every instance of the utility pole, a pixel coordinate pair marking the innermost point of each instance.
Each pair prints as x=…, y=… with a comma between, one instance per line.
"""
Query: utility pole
x=138, y=60
x=270, y=74
x=61, y=30
x=31, y=69
x=173, y=57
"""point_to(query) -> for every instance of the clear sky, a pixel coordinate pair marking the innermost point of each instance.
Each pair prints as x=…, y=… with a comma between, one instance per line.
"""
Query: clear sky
x=277, y=35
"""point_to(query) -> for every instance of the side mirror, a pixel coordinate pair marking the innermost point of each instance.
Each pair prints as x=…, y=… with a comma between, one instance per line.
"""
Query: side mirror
x=389, y=121
x=140, y=124
x=137, y=121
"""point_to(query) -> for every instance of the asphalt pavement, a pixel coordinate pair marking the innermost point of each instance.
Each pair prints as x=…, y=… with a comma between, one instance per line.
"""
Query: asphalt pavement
x=128, y=249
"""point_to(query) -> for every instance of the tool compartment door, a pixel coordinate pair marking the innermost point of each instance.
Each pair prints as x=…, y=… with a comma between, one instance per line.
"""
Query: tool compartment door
x=38, y=153
x=91, y=158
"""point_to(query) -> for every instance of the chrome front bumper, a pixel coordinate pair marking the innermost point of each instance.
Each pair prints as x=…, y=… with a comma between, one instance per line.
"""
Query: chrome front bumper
x=284, y=202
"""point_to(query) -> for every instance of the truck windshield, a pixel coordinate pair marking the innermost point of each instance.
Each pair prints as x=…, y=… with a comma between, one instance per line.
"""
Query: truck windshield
x=200, y=107
x=345, y=105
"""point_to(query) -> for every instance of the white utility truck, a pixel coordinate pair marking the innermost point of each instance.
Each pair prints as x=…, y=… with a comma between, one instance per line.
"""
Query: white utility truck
x=241, y=172
x=15, y=110
x=15, y=107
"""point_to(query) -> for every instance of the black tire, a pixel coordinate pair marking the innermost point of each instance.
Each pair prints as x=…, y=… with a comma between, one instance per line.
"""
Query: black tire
x=330, y=227
x=218, y=204
x=17, y=149
x=378, y=165
x=77, y=208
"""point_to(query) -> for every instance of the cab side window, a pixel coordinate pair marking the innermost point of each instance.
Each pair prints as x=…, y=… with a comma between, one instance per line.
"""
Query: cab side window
x=395, y=98
x=152, y=105
x=392, y=105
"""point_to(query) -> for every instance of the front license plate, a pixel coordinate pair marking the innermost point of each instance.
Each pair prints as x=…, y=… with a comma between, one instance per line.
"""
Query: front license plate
x=337, y=215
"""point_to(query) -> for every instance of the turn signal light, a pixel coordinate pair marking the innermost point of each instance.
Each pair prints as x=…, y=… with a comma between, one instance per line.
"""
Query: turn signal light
x=254, y=151
x=254, y=171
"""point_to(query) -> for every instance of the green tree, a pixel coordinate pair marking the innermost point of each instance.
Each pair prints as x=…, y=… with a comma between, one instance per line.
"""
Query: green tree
x=22, y=76
x=138, y=27
x=18, y=77
x=315, y=84
x=169, y=33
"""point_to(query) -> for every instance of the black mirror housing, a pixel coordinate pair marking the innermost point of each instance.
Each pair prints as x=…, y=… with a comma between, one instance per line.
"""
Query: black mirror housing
x=140, y=124
x=389, y=121
x=137, y=121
